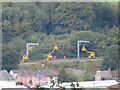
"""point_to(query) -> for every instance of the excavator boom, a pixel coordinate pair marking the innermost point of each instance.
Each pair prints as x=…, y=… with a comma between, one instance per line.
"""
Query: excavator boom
x=49, y=56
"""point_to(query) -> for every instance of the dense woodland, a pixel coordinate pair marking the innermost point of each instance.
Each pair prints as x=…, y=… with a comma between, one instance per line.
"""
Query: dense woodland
x=61, y=24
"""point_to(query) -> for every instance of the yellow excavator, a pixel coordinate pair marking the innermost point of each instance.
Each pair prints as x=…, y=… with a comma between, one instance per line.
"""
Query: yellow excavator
x=92, y=54
x=25, y=58
x=49, y=56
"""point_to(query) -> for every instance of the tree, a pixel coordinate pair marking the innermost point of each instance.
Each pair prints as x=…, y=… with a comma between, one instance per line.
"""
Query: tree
x=87, y=76
x=72, y=77
x=22, y=18
x=106, y=15
x=72, y=17
x=63, y=77
x=57, y=23
x=111, y=57
x=111, y=52
x=10, y=58
x=112, y=36
x=49, y=9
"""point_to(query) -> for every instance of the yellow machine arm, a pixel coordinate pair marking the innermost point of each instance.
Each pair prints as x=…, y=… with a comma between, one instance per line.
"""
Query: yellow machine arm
x=49, y=56
x=55, y=48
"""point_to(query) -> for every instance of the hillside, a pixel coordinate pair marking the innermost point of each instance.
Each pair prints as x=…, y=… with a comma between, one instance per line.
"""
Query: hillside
x=61, y=24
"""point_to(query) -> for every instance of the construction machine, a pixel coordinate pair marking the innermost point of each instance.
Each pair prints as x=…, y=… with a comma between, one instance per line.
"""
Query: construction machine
x=49, y=56
x=25, y=58
x=91, y=54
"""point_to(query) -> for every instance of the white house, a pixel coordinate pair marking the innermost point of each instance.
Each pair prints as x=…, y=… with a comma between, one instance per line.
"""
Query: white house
x=107, y=75
x=6, y=80
x=103, y=75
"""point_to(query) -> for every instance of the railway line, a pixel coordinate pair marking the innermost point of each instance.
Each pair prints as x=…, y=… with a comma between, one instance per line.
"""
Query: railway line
x=61, y=60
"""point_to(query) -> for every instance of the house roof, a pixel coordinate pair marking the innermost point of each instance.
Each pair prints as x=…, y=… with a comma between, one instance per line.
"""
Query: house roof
x=25, y=73
x=5, y=76
x=17, y=71
x=115, y=73
x=44, y=72
x=79, y=72
x=68, y=70
x=104, y=74
x=53, y=71
x=76, y=71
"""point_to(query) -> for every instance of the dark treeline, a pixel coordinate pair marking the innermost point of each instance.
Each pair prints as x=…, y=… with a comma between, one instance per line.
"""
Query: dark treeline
x=61, y=24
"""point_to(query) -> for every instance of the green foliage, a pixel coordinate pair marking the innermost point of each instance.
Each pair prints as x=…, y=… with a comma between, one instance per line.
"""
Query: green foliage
x=63, y=77
x=72, y=77
x=112, y=36
x=87, y=66
x=21, y=18
x=111, y=52
x=111, y=58
x=76, y=85
x=38, y=87
x=81, y=66
x=87, y=76
x=9, y=56
x=26, y=67
x=36, y=66
x=93, y=65
x=74, y=16
x=61, y=24
x=105, y=17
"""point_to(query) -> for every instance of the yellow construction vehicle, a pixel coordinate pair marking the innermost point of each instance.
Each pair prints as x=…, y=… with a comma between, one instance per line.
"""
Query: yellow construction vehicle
x=25, y=58
x=49, y=56
x=92, y=54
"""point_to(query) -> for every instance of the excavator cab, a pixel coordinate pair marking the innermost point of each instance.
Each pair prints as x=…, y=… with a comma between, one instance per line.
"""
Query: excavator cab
x=24, y=58
x=49, y=57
